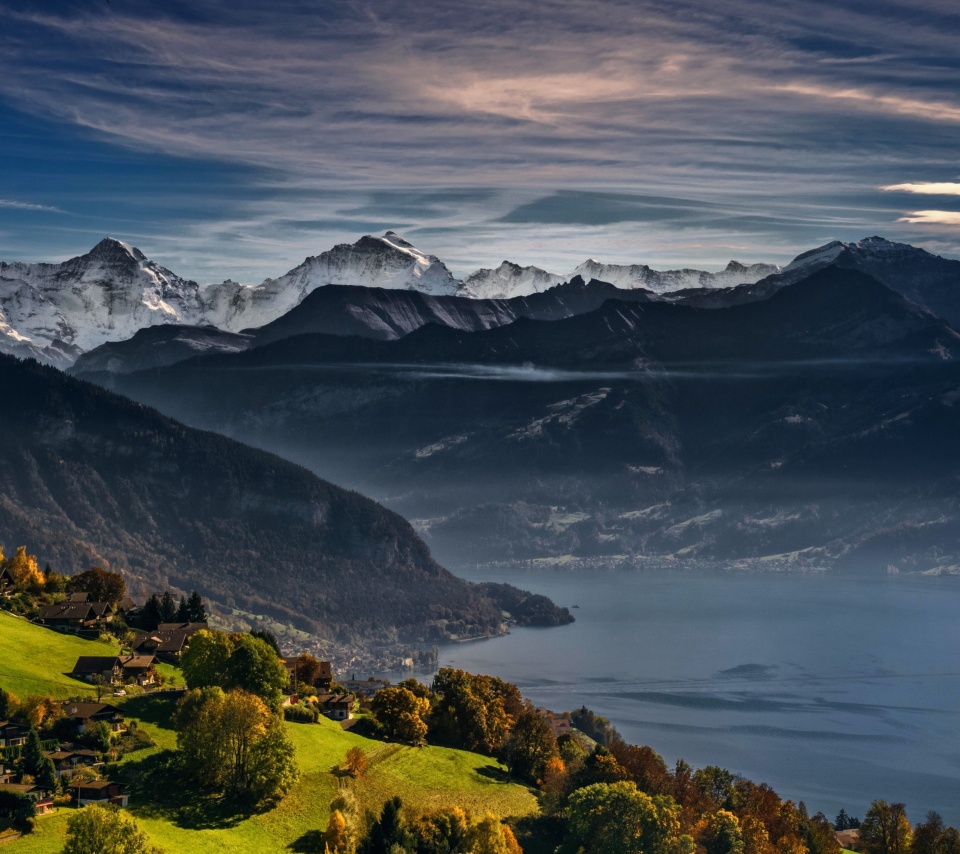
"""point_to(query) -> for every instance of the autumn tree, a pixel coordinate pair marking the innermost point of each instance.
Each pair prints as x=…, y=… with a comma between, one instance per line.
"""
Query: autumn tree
x=530, y=746
x=490, y=836
x=885, y=829
x=337, y=839
x=355, y=762
x=232, y=661
x=932, y=837
x=24, y=570
x=473, y=712
x=616, y=818
x=231, y=742
x=105, y=830
x=722, y=834
x=100, y=584
x=401, y=714
x=644, y=765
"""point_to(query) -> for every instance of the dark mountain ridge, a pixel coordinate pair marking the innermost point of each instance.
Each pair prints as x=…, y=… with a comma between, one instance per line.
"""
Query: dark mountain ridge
x=87, y=477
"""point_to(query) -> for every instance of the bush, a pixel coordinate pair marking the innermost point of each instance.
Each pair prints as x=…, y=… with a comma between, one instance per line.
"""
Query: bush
x=301, y=714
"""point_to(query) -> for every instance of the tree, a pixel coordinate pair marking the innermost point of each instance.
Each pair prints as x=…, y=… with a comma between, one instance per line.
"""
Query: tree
x=616, y=818
x=716, y=783
x=885, y=829
x=644, y=765
x=196, y=610
x=24, y=569
x=150, y=613
x=355, y=762
x=100, y=584
x=31, y=757
x=233, y=743
x=387, y=831
x=723, y=834
x=337, y=837
x=253, y=666
x=932, y=837
x=530, y=746
x=401, y=714
x=168, y=608
x=105, y=830
x=183, y=612
x=490, y=836
x=269, y=638
x=474, y=712
x=204, y=662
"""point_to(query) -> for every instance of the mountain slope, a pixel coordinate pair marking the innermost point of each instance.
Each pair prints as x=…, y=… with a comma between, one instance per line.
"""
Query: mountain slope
x=813, y=420
x=95, y=478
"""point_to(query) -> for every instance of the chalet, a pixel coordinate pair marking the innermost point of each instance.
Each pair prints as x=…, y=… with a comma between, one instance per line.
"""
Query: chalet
x=7, y=584
x=338, y=707
x=368, y=687
x=101, y=792
x=559, y=724
x=39, y=795
x=74, y=615
x=167, y=641
x=12, y=735
x=849, y=839
x=84, y=714
x=64, y=762
x=116, y=669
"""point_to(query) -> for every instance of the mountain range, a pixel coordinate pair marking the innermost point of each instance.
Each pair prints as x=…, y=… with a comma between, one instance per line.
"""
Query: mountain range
x=54, y=312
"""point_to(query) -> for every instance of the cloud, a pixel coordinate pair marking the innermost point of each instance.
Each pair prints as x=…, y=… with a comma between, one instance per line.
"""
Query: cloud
x=27, y=206
x=927, y=188
x=932, y=217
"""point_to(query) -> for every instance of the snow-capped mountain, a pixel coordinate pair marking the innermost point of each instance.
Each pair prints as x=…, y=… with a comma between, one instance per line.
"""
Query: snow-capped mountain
x=511, y=280
x=53, y=310
x=373, y=262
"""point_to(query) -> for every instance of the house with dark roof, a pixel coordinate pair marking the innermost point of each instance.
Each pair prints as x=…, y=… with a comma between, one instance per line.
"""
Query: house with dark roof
x=338, y=707
x=7, y=584
x=101, y=792
x=39, y=795
x=167, y=641
x=74, y=615
x=116, y=669
x=368, y=687
x=84, y=714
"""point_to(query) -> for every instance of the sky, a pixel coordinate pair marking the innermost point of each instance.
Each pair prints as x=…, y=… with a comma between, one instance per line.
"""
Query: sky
x=232, y=139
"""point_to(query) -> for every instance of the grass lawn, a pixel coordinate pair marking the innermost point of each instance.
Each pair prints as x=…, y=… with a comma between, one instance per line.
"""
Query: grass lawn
x=36, y=660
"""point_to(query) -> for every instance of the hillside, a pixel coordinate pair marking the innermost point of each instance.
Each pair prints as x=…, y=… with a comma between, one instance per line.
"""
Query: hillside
x=97, y=479
x=430, y=777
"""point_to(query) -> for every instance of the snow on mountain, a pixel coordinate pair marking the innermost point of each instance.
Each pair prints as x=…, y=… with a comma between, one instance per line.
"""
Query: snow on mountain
x=107, y=294
x=511, y=280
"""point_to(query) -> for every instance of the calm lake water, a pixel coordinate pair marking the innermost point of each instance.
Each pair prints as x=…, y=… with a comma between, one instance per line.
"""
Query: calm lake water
x=834, y=690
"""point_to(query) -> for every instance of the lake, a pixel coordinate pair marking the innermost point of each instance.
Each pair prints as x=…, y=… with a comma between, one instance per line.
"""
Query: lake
x=834, y=690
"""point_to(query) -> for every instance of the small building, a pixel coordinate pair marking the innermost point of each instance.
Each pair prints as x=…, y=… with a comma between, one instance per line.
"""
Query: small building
x=75, y=615
x=559, y=724
x=368, y=687
x=7, y=584
x=84, y=714
x=116, y=669
x=168, y=641
x=101, y=792
x=12, y=735
x=338, y=707
x=39, y=795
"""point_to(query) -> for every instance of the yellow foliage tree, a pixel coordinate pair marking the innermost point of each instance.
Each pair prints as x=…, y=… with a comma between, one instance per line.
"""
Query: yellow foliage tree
x=24, y=569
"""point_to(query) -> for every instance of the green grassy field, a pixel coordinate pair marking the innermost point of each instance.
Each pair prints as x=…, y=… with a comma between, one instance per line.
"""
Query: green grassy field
x=424, y=778
x=36, y=660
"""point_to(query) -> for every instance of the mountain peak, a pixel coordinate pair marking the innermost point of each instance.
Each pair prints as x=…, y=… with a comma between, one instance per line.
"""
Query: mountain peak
x=397, y=240
x=111, y=248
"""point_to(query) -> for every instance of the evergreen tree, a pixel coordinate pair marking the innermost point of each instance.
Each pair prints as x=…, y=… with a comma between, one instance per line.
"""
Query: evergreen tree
x=387, y=831
x=183, y=612
x=31, y=759
x=168, y=608
x=150, y=615
x=47, y=776
x=196, y=610
x=270, y=638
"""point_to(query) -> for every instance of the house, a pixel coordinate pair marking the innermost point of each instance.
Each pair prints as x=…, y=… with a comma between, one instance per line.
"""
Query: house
x=101, y=792
x=83, y=714
x=849, y=838
x=338, y=707
x=167, y=641
x=7, y=584
x=116, y=669
x=64, y=762
x=75, y=615
x=6, y=775
x=39, y=795
x=12, y=735
x=559, y=724
x=368, y=687
x=325, y=677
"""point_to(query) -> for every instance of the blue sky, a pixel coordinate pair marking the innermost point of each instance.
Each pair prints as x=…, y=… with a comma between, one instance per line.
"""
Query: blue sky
x=232, y=139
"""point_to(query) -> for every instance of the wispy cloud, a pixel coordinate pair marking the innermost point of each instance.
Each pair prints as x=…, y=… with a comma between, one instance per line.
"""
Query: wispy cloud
x=736, y=105
x=927, y=188
x=932, y=217
x=28, y=206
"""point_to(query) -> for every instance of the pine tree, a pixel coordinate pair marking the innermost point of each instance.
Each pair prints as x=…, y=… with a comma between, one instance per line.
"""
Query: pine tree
x=150, y=615
x=168, y=608
x=32, y=757
x=197, y=611
x=183, y=612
